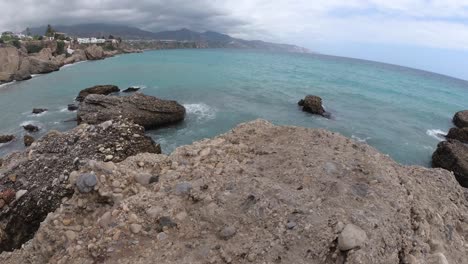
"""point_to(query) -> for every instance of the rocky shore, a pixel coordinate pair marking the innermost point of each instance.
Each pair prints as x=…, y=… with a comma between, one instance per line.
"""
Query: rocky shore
x=17, y=64
x=258, y=194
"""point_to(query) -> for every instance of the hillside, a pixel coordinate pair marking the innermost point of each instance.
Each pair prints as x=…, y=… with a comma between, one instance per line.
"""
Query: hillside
x=209, y=39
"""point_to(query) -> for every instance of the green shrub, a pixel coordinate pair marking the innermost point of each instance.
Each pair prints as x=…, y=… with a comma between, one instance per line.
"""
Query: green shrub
x=109, y=47
x=1, y=41
x=60, y=47
x=16, y=43
x=32, y=48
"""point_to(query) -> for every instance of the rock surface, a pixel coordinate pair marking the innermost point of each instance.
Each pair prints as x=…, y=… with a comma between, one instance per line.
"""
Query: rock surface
x=244, y=191
x=28, y=140
x=31, y=128
x=313, y=105
x=98, y=89
x=460, y=134
x=38, y=110
x=461, y=119
x=131, y=90
x=452, y=155
x=9, y=63
x=147, y=111
x=6, y=138
x=72, y=107
x=94, y=52
x=44, y=169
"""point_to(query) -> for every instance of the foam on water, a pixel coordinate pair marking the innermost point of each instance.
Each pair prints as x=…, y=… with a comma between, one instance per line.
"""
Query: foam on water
x=201, y=111
x=358, y=139
x=7, y=84
x=437, y=134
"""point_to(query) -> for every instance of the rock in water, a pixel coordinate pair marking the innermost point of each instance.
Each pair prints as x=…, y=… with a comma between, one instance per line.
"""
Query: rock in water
x=41, y=66
x=38, y=110
x=28, y=140
x=452, y=155
x=72, y=107
x=313, y=105
x=147, y=111
x=131, y=89
x=98, y=89
x=460, y=134
x=461, y=119
x=43, y=168
x=31, y=128
x=351, y=237
x=6, y=138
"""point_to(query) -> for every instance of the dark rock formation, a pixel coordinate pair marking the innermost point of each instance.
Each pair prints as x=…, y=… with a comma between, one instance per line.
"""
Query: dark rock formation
x=31, y=128
x=72, y=107
x=43, y=171
x=461, y=119
x=94, y=52
x=460, y=134
x=28, y=140
x=98, y=89
x=131, y=90
x=147, y=111
x=38, y=110
x=452, y=155
x=313, y=105
x=6, y=138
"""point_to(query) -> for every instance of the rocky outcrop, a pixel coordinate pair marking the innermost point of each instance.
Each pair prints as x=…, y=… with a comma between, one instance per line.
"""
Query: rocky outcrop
x=31, y=128
x=147, y=111
x=38, y=66
x=453, y=155
x=6, y=138
x=77, y=56
x=44, y=170
x=94, y=52
x=259, y=194
x=72, y=107
x=9, y=63
x=98, y=89
x=39, y=110
x=131, y=89
x=461, y=119
x=313, y=105
x=460, y=134
x=28, y=140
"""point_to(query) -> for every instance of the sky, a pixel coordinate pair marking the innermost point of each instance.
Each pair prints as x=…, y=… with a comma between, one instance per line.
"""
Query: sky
x=425, y=34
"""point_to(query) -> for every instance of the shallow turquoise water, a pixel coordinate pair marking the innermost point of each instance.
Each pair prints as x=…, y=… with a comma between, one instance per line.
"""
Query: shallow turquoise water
x=392, y=108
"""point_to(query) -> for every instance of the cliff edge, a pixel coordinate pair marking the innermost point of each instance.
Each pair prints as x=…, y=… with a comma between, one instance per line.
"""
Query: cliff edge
x=258, y=194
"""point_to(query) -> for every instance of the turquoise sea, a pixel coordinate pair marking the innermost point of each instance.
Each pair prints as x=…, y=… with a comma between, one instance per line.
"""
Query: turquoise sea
x=395, y=109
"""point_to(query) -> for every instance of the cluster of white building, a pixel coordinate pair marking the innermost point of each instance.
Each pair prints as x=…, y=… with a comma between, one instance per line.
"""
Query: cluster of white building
x=94, y=40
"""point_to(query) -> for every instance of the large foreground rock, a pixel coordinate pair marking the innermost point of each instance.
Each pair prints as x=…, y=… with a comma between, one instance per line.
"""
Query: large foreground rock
x=259, y=194
x=6, y=138
x=145, y=110
x=98, y=89
x=460, y=134
x=461, y=119
x=42, y=66
x=9, y=63
x=452, y=155
x=40, y=174
x=94, y=52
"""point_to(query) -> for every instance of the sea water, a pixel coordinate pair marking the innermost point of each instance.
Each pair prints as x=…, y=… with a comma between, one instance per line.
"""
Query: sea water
x=399, y=111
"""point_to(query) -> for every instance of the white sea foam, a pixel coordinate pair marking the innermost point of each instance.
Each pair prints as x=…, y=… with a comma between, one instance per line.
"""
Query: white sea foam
x=65, y=109
x=358, y=139
x=72, y=64
x=7, y=84
x=437, y=134
x=37, y=115
x=32, y=122
x=202, y=111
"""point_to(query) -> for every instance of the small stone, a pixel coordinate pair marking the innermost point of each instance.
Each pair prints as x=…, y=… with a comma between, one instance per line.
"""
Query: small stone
x=251, y=257
x=351, y=237
x=141, y=164
x=135, y=228
x=86, y=182
x=105, y=219
x=291, y=224
x=437, y=258
x=108, y=158
x=106, y=125
x=153, y=212
x=66, y=221
x=20, y=193
x=227, y=232
x=133, y=218
x=161, y=236
x=12, y=178
x=143, y=178
x=183, y=188
x=71, y=235
x=116, y=184
x=2, y=203
x=28, y=140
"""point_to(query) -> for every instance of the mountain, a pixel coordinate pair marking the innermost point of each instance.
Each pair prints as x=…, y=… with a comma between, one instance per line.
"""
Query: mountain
x=208, y=39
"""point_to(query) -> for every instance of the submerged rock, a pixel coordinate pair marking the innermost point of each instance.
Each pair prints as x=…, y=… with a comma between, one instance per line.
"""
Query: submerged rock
x=131, y=89
x=44, y=168
x=313, y=105
x=38, y=110
x=31, y=128
x=147, y=111
x=6, y=138
x=460, y=134
x=255, y=179
x=98, y=89
x=72, y=107
x=452, y=155
x=461, y=119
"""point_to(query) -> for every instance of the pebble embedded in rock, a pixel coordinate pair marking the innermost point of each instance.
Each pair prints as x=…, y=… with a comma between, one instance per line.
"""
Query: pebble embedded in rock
x=86, y=182
x=135, y=228
x=227, y=232
x=143, y=178
x=71, y=235
x=437, y=258
x=351, y=237
x=20, y=193
x=106, y=125
x=161, y=236
x=108, y=158
x=183, y=188
x=291, y=225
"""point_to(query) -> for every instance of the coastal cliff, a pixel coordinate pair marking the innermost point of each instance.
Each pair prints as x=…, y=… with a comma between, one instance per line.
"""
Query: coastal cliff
x=258, y=194
x=37, y=57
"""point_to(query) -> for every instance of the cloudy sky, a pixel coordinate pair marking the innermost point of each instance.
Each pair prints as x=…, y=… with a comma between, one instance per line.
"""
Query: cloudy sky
x=426, y=34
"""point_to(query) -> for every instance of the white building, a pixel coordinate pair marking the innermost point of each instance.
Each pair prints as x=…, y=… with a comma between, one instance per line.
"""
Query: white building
x=90, y=41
